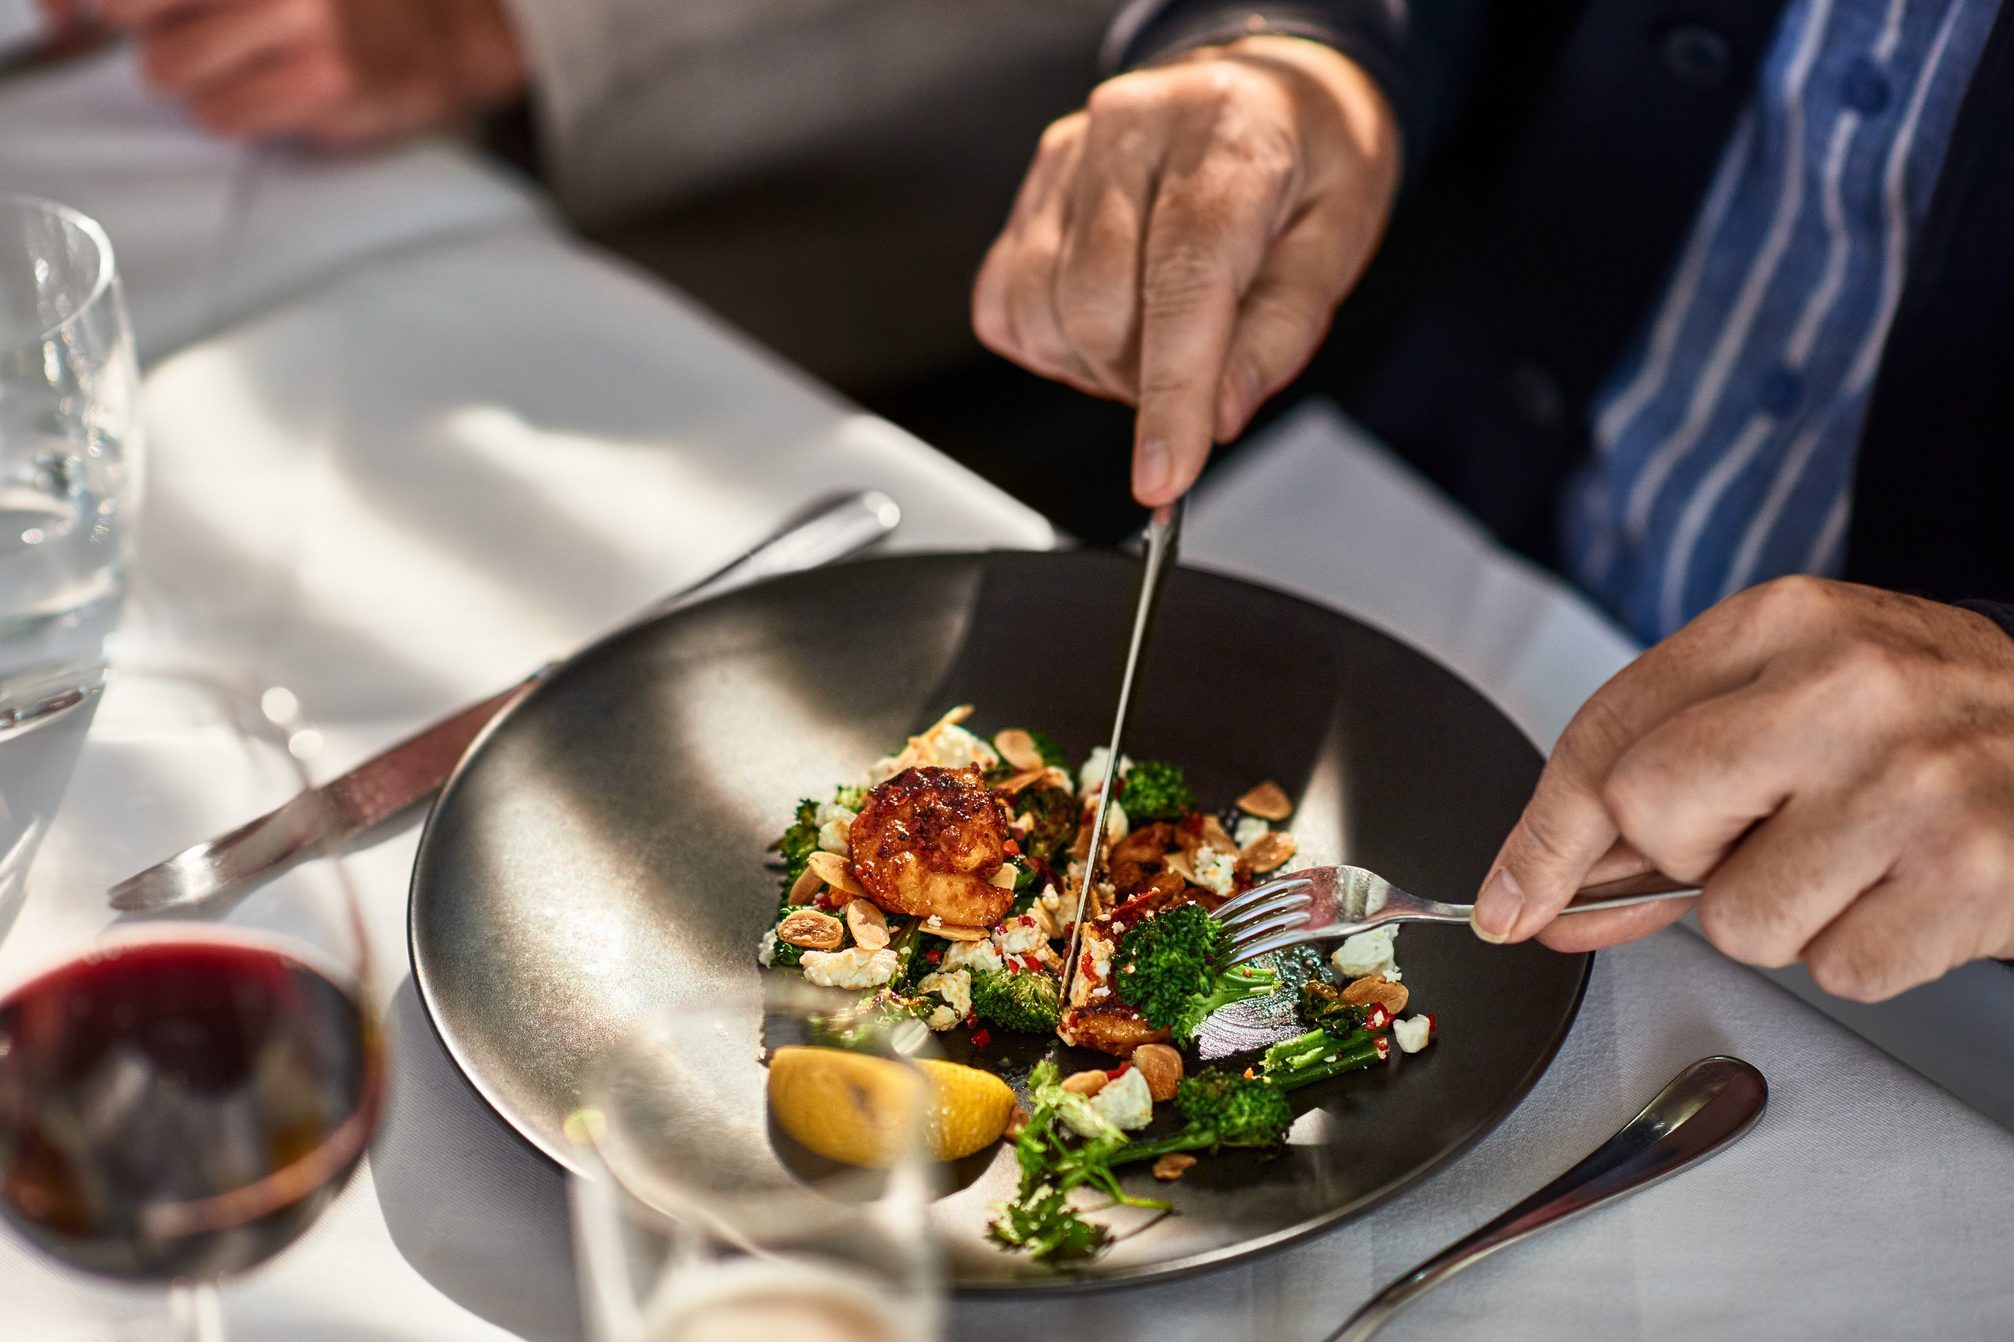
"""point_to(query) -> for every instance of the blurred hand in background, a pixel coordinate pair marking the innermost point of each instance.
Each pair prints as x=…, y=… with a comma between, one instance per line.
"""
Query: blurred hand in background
x=337, y=73
x=1182, y=243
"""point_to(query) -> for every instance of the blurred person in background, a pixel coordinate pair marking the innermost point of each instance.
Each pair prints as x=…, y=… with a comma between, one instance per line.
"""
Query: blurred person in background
x=824, y=172
x=1707, y=299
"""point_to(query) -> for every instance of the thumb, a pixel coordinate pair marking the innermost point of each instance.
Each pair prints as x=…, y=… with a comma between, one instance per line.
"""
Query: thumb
x=1564, y=832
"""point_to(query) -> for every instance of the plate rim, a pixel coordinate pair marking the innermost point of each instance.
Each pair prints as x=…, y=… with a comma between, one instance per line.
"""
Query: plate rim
x=1063, y=1282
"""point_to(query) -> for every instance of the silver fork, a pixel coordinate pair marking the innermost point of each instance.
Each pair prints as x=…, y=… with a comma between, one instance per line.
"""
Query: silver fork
x=1330, y=903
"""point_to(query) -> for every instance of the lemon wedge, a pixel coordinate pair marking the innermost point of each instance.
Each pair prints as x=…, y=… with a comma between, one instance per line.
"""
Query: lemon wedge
x=856, y=1109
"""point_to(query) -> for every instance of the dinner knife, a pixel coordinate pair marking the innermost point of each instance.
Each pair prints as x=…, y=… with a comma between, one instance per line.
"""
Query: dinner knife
x=1164, y=535
x=384, y=786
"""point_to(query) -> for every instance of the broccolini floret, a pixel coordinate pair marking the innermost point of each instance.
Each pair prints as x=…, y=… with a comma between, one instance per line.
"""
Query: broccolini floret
x=1173, y=967
x=1040, y=1220
x=1047, y=747
x=1056, y=814
x=1157, y=791
x=798, y=843
x=1025, y=1003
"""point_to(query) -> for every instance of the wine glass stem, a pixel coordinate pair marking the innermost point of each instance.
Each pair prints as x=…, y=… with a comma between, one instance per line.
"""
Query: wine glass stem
x=198, y=1311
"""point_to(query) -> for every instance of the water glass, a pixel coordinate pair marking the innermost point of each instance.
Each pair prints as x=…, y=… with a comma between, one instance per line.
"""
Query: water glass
x=69, y=455
x=698, y=1219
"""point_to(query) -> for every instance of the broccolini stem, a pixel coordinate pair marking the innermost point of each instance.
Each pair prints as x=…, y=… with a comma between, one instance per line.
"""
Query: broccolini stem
x=1319, y=1055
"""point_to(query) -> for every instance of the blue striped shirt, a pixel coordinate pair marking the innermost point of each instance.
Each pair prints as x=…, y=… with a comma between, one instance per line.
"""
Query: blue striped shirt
x=1725, y=440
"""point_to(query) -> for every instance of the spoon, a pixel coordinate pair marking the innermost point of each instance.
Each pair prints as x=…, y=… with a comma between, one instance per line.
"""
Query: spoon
x=1706, y=1106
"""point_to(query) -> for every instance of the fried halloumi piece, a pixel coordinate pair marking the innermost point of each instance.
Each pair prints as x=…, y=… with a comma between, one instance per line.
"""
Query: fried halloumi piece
x=929, y=843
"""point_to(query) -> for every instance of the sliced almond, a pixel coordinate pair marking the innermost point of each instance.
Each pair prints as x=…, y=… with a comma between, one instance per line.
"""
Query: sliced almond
x=950, y=933
x=1269, y=850
x=868, y=924
x=812, y=930
x=1268, y=801
x=1020, y=782
x=1004, y=878
x=1018, y=749
x=1017, y=1119
x=1216, y=836
x=1183, y=865
x=805, y=886
x=1055, y=777
x=1377, y=988
x=836, y=872
x=953, y=718
x=1173, y=1166
x=1086, y=1084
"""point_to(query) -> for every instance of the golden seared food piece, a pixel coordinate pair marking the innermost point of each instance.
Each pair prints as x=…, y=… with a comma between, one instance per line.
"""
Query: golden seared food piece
x=1140, y=856
x=1110, y=1027
x=930, y=842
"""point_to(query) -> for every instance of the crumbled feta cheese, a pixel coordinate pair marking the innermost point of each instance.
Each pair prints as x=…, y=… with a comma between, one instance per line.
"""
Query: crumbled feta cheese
x=1117, y=826
x=978, y=956
x=1128, y=1102
x=855, y=967
x=1367, y=953
x=1050, y=899
x=952, y=747
x=942, y=1018
x=833, y=822
x=1412, y=1033
x=765, y=954
x=1250, y=828
x=1095, y=972
x=1091, y=776
x=953, y=987
x=1217, y=872
x=1019, y=936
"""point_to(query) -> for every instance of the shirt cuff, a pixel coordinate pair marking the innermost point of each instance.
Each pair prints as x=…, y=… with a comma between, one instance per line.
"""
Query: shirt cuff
x=1372, y=33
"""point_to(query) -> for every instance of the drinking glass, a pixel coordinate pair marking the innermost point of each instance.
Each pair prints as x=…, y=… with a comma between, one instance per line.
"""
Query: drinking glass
x=182, y=1094
x=69, y=455
x=697, y=1219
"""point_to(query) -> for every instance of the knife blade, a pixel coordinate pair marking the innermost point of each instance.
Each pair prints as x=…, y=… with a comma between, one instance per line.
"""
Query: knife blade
x=385, y=785
x=1164, y=534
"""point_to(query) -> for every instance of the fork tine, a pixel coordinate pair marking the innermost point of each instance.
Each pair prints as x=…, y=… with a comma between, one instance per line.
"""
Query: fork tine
x=1279, y=941
x=1301, y=900
x=1278, y=923
x=1231, y=908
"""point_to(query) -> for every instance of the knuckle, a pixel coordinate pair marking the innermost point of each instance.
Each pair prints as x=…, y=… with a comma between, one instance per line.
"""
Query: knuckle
x=1749, y=926
x=1849, y=967
x=1122, y=94
x=1096, y=323
x=1181, y=275
x=1791, y=603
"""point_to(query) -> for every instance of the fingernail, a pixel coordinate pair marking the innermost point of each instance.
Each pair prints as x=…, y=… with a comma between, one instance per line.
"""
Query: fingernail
x=1152, y=471
x=1497, y=907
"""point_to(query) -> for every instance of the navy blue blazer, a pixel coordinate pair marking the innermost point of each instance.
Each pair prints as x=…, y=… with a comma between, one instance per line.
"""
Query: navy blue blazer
x=1557, y=151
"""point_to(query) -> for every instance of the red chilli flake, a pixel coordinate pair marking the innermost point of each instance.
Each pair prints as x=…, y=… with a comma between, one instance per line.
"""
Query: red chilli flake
x=1011, y=848
x=981, y=1037
x=1084, y=964
x=1114, y=1073
x=934, y=956
x=1384, y=1046
x=1378, y=1018
x=1433, y=1025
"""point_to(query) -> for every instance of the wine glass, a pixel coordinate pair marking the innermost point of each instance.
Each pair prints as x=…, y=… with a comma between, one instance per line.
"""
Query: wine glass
x=697, y=1218
x=181, y=1094
x=69, y=455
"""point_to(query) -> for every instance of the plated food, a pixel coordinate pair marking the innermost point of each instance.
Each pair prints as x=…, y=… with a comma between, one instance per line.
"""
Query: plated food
x=941, y=887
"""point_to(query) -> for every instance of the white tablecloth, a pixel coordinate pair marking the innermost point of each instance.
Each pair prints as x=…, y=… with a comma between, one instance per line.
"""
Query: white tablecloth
x=455, y=445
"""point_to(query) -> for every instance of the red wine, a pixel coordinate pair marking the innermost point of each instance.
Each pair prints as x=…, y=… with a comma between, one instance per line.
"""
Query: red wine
x=180, y=1109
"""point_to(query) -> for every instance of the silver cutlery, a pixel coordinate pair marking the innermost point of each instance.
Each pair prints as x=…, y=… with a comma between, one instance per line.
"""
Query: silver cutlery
x=1705, y=1108
x=383, y=786
x=1164, y=539
x=1331, y=903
